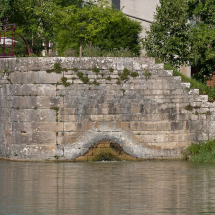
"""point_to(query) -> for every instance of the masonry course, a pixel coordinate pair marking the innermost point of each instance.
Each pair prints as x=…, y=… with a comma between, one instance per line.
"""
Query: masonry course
x=151, y=116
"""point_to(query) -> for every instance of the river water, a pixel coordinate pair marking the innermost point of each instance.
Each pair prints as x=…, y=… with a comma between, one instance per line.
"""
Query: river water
x=107, y=188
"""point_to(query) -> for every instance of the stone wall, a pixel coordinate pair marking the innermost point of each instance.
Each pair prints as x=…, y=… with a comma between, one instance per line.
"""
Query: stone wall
x=59, y=108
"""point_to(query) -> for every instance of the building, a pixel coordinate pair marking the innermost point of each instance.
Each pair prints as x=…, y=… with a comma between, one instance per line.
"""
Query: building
x=141, y=10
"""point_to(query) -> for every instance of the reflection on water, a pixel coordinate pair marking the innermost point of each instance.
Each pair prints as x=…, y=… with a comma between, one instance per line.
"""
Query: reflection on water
x=106, y=188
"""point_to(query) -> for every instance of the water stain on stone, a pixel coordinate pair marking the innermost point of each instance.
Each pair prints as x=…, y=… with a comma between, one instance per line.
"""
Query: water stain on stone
x=105, y=151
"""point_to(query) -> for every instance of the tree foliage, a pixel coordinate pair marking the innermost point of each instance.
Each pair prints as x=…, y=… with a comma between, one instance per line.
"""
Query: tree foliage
x=98, y=25
x=120, y=33
x=184, y=33
x=71, y=24
x=78, y=25
x=168, y=36
x=202, y=36
x=34, y=19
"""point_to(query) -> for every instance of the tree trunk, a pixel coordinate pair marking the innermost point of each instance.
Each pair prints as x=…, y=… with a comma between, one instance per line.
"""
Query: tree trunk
x=80, y=48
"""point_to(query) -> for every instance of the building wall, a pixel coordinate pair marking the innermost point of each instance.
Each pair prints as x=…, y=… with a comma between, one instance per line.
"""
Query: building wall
x=47, y=113
x=143, y=9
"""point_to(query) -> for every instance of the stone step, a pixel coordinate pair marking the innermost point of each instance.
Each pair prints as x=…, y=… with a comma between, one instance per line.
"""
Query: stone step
x=185, y=84
x=35, y=64
x=160, y=72
x=194, y=92
x=156, y=66
x=202, y=98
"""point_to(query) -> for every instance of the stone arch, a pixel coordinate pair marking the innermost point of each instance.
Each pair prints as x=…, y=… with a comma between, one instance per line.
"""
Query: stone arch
x=119, y=144
x=105, y=150
x=124, y=142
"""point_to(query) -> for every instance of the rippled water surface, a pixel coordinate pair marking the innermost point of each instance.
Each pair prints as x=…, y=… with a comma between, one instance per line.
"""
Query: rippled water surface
x=113, y=188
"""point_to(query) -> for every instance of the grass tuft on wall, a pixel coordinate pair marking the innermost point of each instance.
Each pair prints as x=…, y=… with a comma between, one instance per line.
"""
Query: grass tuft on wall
x=202, y=152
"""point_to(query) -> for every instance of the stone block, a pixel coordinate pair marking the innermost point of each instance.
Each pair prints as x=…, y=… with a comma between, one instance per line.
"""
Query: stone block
x=63, y=118
x=122, y=63
x=145, y=117
x=94, y=152
x=37, y=126
x=28, y=115
x=203, y=98
x=177, y=125
x=91, y=158
x=72, y=118
x=67, y=111
x=33, y=89
x=186, y=85
x=110, y=117
x=193, y=125
x=34, y=138
x=190, y=137
x=69, y=140
x=70, y=126
x=124, y=117
x=175, y=137
x=155, y=138
x=194, y=117
x=49, y=78
x=135, y=108
x=44, y=137
x=8, y=64
x=143, y=126
x=194, y=92
x=163, y=126
x=123, y=125
x=29, y=77
x=97, y=117
x=157, y=67
x=31, y=102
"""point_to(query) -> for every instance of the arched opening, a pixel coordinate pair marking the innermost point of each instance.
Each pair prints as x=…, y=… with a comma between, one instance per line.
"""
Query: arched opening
x=105, y=150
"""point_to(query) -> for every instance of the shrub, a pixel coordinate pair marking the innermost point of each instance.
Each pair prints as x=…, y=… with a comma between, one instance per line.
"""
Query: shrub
x=201, y=152
x=92, y=51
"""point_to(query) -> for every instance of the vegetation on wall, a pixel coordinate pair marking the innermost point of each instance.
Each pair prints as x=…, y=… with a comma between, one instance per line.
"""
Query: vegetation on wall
x=201, y=152
x=194, y=84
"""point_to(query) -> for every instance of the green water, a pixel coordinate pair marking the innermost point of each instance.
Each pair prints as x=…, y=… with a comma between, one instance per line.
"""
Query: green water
x=107, y=188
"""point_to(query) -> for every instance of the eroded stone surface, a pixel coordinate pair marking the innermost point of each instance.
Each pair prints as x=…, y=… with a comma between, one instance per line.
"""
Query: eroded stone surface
x=105, y=151
x=152, y=115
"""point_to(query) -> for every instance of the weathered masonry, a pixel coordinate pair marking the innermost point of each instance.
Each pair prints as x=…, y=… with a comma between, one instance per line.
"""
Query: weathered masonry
x=82, y=108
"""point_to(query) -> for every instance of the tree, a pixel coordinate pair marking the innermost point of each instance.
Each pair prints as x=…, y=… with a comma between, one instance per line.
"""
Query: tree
x=184, y=33
x=71, y=24
x=26, y=15
x=202, y=36
x=168, y=35
x=35, y=20
x=96, y=24
x=78, y=25
x=120, y=33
